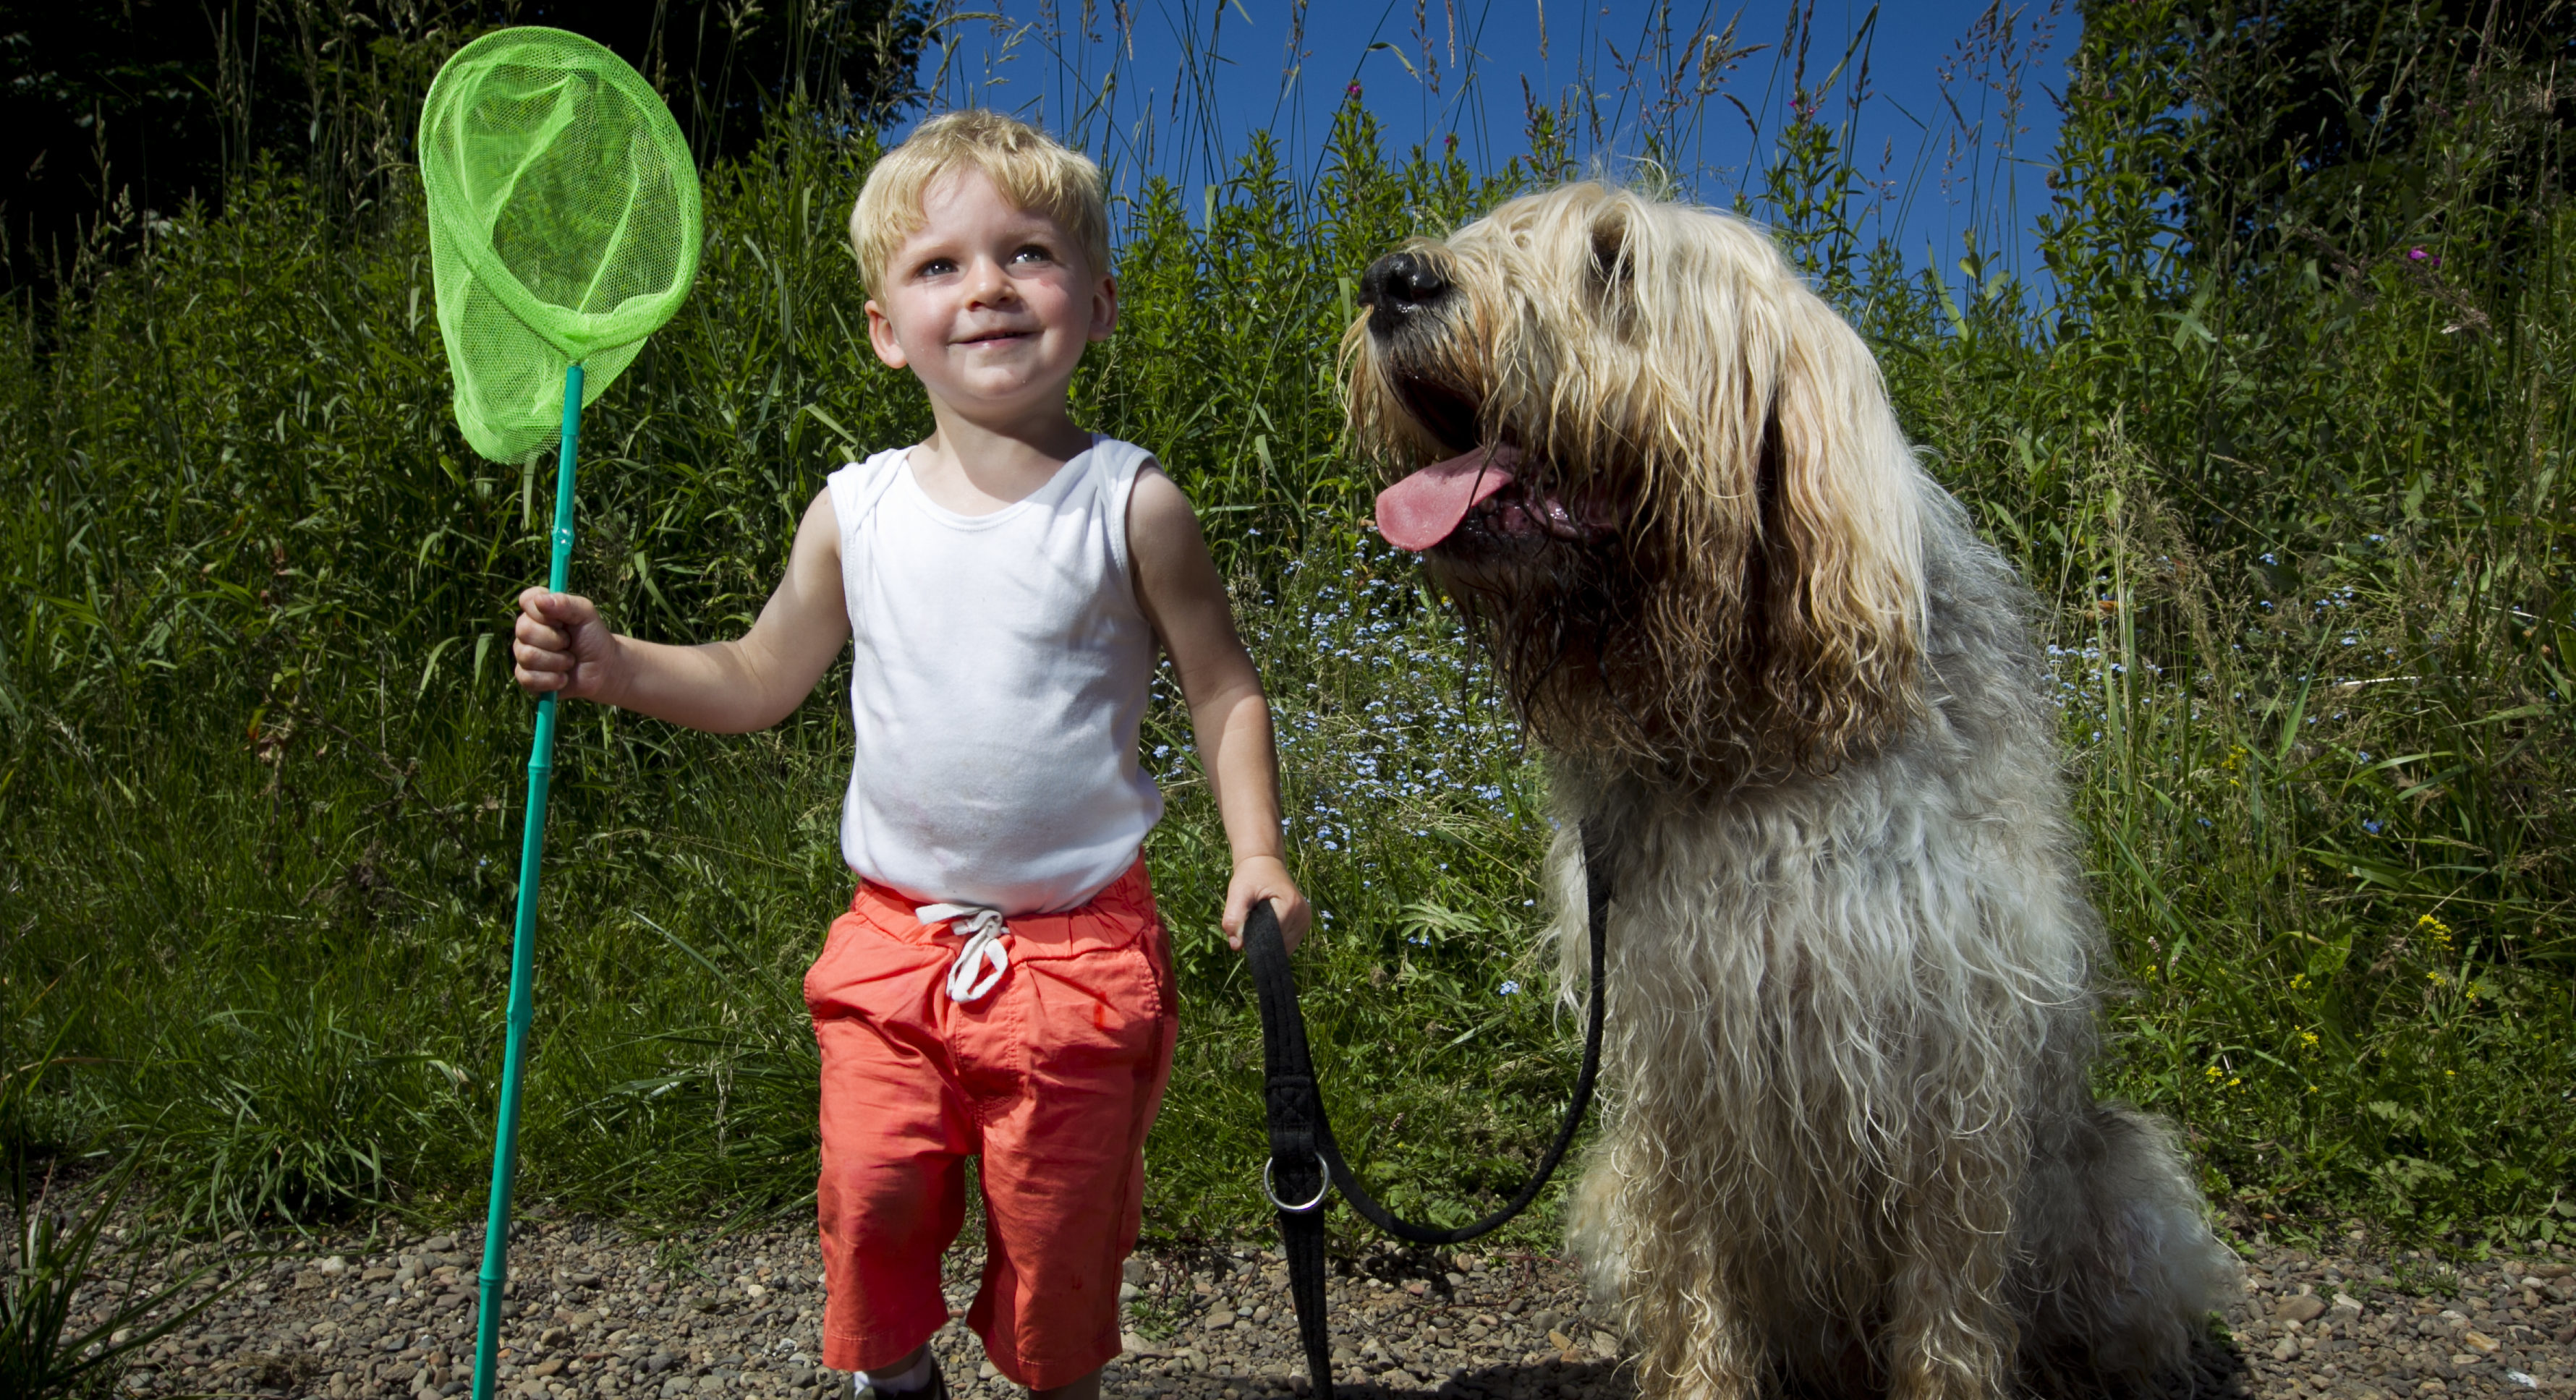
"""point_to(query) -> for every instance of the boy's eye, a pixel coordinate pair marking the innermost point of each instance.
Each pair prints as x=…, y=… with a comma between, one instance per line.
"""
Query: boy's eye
x=1032, y=252
x=935, y=267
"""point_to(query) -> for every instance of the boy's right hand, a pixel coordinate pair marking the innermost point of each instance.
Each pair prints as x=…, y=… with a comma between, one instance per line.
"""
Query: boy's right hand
x=562, y=645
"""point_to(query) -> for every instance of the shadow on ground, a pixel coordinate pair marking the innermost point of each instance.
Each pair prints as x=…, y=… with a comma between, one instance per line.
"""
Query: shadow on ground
x=2216, y=1371
x=1546, y=1380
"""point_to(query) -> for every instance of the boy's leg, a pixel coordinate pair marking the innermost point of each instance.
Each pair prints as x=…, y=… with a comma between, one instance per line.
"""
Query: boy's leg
x=1063, y=1164
x=895, y=1136
x=1088, y=1388
x=915, y=1375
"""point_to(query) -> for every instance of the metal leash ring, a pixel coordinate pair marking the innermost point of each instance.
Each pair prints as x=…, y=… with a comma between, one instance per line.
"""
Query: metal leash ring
x=1320, y=1192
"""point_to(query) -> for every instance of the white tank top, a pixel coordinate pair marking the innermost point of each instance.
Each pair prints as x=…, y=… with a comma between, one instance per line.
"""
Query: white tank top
x=1000, y=678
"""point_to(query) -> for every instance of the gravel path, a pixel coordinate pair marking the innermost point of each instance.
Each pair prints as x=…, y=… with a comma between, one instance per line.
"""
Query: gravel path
x=600, y=1311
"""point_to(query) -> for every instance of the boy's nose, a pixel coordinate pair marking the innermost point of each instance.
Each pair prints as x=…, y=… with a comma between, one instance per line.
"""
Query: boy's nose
x=986, y=281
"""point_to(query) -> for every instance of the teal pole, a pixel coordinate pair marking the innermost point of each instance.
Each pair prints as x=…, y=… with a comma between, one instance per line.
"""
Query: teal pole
x=523, y=943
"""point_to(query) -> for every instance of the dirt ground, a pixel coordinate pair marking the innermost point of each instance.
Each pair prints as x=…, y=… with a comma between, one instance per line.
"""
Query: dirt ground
x=600, y=1311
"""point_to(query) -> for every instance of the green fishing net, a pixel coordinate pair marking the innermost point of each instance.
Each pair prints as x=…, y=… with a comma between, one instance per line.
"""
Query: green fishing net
x=563, y=226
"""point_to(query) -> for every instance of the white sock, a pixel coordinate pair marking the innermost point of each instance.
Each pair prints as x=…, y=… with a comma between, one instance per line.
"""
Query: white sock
x=913, y=1377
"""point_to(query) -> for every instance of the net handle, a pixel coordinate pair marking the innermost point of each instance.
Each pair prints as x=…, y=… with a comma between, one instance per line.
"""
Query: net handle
x=495, y=1275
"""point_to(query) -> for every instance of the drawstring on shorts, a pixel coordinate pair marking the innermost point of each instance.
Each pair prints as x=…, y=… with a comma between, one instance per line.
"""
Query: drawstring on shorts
x=981, y=962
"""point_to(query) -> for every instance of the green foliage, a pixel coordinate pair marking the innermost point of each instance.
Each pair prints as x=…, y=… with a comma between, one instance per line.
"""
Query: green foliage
x=2297, y=522
x=55, y=1339
x=2302, y=518
x=2353, y=122
x=50, y=1269
x=141, y=104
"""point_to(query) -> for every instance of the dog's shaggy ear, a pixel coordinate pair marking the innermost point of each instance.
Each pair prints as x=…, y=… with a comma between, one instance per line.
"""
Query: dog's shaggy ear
x=1842, y=546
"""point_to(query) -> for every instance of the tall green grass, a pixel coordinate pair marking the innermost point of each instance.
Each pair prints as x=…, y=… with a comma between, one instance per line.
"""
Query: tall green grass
x=2297, y=515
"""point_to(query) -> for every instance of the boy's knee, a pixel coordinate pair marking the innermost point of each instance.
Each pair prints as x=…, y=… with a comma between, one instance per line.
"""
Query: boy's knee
x=898, y=1203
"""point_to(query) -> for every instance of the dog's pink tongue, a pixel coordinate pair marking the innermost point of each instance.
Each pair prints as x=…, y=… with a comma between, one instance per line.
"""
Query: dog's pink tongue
x=1421, y=510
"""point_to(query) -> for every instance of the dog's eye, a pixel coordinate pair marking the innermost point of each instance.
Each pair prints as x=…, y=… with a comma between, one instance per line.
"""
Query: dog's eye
x=1610, y=268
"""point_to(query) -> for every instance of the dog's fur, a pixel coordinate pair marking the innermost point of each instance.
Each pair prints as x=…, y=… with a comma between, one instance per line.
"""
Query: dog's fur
x=1852, y=1148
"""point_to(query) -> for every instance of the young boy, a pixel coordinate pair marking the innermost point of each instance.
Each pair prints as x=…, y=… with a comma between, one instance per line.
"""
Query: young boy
x=1001, y=985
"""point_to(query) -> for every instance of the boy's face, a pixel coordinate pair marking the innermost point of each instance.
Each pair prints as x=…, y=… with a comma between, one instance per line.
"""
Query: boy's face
x=988, y=303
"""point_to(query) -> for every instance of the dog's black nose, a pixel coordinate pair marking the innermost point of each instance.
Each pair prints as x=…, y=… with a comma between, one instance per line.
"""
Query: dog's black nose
x=1401, y=282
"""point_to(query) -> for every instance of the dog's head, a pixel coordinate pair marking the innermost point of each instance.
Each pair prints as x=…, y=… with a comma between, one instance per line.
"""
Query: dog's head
x=1658, y=471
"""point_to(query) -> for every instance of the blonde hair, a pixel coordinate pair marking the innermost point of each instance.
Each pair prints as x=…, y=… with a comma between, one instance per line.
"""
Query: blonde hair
x=1029, y=168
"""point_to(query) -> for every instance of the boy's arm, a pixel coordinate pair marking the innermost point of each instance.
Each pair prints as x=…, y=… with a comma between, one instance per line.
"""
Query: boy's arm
x=1178, y=587
x=730, y=687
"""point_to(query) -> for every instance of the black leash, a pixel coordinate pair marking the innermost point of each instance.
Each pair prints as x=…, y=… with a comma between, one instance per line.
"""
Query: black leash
x=1302, y=1150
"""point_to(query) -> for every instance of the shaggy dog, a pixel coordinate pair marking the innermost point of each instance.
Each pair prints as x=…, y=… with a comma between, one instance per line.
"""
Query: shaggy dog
x=1852, y=1149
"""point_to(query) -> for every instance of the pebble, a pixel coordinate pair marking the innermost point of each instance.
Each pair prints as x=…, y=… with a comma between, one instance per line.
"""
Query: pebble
x=598, y=1311
x=2401, y=1325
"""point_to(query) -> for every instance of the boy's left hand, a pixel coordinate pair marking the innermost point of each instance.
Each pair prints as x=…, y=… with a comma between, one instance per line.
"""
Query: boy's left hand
x=1265, y=877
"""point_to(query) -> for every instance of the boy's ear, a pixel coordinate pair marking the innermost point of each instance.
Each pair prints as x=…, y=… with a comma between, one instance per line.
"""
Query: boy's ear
x=881, y=337
x=1104, y=308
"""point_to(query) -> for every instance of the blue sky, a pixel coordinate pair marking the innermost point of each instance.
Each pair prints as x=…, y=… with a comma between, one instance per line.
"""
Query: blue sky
x=1951, y=107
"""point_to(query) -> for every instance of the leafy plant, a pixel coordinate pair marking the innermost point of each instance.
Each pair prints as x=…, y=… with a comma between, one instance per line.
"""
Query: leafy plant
x=57, y=1336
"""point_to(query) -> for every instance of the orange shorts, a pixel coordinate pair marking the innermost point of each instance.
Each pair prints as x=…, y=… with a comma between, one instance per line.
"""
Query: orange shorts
x=1052, y=1077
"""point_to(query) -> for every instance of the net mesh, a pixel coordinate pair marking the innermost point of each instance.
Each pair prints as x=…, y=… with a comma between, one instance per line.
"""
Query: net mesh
x=563, y=226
